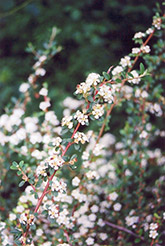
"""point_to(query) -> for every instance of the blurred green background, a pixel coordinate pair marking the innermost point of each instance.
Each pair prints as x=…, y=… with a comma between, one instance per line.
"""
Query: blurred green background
x=94, y=35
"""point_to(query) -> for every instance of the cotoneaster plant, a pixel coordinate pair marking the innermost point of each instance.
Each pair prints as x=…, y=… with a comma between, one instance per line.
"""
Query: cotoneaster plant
x=83, y=185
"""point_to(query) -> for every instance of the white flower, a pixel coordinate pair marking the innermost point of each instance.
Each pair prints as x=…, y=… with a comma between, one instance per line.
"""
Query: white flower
x=31, y=78
x=92, y=217
x=125, y=61
x=153, y=234
x=143, y=134
x=113, y=196
x=35, y=137
x=43, y=92
x=80, y=137
x=44, y=105
x=47, y=244
x=135, y=79
x=149, y=31
x=85, y=156
x=139, y=35
x=145, y=49
x=79, y=196
x=55, y=161
x=98, y=149
x=67, y=121
x=92, y=175
x=117, y=206
x=42, y=58
x=103, y=236
x=12, y=216
x=58, y=185
x=57, y=141
x=94, y=209
x=90, y=241
x=24, y=87
x=81, y=117
x=39, y=232
x=98, y=110
x=21, y=133
x=93, y=79
x=71, y=103
x=157, y=23
x=63, y=244
x=41, y=169
x=37, y=64
x=23, y=218
x=2, y=225
x=107, y=93
x=144, y=94
x=53, y=211
x=153, y=226
x=52, y=118
x=31, y=124
x=83, y=88
x=131, y=220
x=75, y=181
x=135, y=50
x=117, y=70
x=128, y=172
x=40, y=72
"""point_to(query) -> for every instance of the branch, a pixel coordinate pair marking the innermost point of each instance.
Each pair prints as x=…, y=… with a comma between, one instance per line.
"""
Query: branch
x=16, y=9
x=120, y=228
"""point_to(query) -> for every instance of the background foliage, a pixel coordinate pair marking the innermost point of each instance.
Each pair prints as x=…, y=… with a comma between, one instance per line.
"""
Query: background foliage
x=103, y=29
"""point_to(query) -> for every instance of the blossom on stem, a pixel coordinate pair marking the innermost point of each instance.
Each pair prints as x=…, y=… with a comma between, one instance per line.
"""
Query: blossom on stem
x=55, y=161
x=81, y=117
x=80, y=137
x=139, y=35
x=58, y=185
x=93, y=79
x=153, y=234
x=107, y=93
x=145, y=49
x=43, y=92
x=44, y=105
x=67, y=121
x=125, y=61
x=135, y=79
x=98, y=110
x=24, y=87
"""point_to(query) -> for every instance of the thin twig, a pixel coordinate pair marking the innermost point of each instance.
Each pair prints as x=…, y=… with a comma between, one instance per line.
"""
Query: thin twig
x=120, y=228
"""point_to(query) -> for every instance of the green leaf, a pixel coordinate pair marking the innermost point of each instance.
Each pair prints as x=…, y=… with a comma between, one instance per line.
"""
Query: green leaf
x=157, y=216
x=14, y=165
x=130, y=75
x=77, y=146
x=90, y=98
x=21, y=164
x=21, y=183
x=142, y=69
x=13, y=168
x=64, y=130
x=73, y=157
x=106, y=75
x=19, y=173
x=137, y=240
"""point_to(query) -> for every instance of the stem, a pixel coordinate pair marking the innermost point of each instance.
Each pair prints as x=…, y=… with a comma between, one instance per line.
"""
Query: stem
x=120, y=228
x=137, y=57
x=44, y=192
